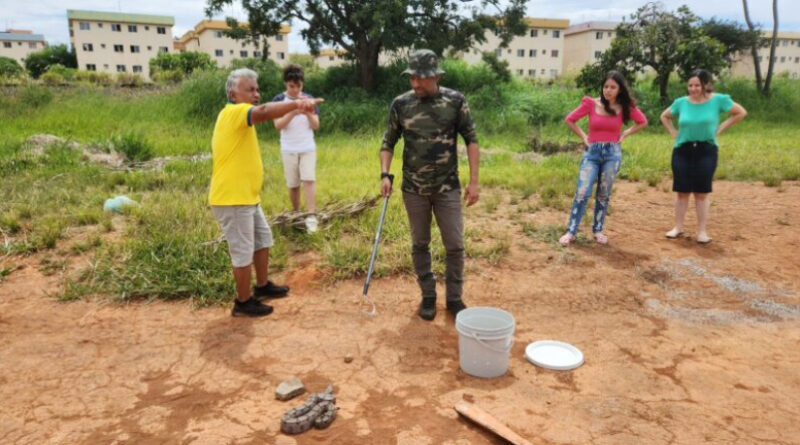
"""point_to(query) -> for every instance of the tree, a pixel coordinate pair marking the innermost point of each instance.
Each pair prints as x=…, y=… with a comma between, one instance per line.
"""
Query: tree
x=37, y=62
x=662, y=40
x=763, y=86
x=364, y=29
x=734, y=37
x=10, y=68
x=185, y=62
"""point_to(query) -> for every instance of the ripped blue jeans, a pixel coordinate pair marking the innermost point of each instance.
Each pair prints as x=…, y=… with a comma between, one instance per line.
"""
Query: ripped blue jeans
x=600, y=164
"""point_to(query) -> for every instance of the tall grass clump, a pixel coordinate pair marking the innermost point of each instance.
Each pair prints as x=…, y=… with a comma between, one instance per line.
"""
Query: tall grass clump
x=203, y=94
x=134, y=146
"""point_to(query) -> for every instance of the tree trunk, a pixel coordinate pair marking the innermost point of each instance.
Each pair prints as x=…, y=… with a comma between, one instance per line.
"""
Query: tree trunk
x=663, y=83
x=368, y=64
x=754, y=50
x=771, y=67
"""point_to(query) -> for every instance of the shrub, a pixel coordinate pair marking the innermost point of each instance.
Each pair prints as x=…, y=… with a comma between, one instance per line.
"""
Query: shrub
x=37, y=62
x=100, y=78
x=134, y=146
x=203, y=94
x=185, y=62
x=129, y=80
x=52, y=79
x=66, y=73
x=9, y=68
x=167, y=76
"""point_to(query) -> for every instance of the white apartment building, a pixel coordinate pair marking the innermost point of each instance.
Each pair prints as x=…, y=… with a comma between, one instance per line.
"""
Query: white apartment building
x=329, y=57
x=539, y=53
x=585, y=42
x=787, y=58
x=18, y=43
x=118, y=43
x=208, y=37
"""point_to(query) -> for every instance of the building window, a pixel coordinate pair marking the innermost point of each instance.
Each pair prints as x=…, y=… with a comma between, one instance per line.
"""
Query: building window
x=105, y=65
x=554, y=53
x=598, y=35
x=331, y=58
x=91, y=67
x=543, y=71
x=31, y=44
x=218, y=34
x=99, y=25
x=785, y=43
x=161, y=29
x=146, y=28
x=134, y=48
x=103, y=45
x=610, y=34
x=137, y=68
x=519, y=72
x=163, y=49
x=520, y=53
x=119, y=48
x=116, y=27
x=556, y=34
x=218, y=52
x=71, y=33
x=553, y=73
x=532, y=73
x=131, y=28
x=544, y=32
x=279, y=38
x=149, y=48
x=88, y=47
x=783, y=59
x=534, y=33
x=256, y=54
x=281, y=56
x=6, y=44
x=120, y=68
x=532, y=53
x=243, y=54
x=84, y=26
x=597, y=54
x=797, y=60
x=498, y=52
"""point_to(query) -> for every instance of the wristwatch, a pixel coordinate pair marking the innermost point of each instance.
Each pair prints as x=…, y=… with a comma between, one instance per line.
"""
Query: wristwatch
x=385, y=175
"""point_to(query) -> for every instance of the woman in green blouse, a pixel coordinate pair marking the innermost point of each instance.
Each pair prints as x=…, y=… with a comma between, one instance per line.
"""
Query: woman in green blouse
x=694, y=154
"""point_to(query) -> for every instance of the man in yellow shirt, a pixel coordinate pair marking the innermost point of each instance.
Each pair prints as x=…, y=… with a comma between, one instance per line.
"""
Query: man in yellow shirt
x=236, y=182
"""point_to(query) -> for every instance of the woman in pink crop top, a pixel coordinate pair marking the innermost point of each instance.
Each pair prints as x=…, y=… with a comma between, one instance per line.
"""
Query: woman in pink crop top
x=603, y=155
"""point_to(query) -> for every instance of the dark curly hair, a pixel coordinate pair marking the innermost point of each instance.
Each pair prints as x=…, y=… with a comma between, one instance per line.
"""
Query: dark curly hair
x=705, y=78
x=624, y=97
x=293, y=73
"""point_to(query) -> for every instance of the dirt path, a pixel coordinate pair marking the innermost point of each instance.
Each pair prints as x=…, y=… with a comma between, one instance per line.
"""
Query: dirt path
x=684, y=344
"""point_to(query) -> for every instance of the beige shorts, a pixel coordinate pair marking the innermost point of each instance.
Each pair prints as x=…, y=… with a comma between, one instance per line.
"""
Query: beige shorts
x=245, y=229
x=299, y=167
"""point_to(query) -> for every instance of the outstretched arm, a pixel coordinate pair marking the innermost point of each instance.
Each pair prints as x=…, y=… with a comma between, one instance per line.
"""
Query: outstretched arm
x=273, y=110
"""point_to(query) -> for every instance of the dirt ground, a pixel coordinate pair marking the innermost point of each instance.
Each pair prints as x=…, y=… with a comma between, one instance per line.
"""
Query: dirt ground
x=684, y=344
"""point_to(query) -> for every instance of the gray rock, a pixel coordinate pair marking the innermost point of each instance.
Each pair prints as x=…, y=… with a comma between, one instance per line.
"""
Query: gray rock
x=289, y=389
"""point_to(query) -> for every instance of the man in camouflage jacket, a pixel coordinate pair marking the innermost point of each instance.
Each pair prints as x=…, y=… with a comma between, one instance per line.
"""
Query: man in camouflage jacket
x=430, y=118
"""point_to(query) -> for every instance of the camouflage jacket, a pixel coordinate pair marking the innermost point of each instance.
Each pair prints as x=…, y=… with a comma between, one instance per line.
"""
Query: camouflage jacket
x=429, y=126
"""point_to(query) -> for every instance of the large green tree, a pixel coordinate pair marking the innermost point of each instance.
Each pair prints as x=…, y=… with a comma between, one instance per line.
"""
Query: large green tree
x=366, y=28
x=664, y=41
x=37, y=62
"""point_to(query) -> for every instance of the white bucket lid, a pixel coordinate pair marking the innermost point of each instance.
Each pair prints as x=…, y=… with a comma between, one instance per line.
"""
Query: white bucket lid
x=553, y=354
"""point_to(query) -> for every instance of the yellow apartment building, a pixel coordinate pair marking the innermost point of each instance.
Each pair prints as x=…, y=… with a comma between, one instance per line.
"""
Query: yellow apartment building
x=539, y=53
x=117, y=42
x=787, y=58
x=18, y=43
x=208, y=37
x=585, y=42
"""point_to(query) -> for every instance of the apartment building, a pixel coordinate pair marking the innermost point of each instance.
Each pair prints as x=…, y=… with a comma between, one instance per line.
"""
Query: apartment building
x=208, y=37
x=787, y=57
x=118, y=43
x=18, y=43
x=329, y=57
x=585, y=42
x=539, y=53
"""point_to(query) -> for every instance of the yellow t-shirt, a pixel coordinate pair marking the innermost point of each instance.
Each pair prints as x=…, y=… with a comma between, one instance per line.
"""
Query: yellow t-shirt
x=238, y=173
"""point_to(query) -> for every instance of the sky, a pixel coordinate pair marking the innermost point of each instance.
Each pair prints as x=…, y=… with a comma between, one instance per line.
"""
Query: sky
x=49, y=17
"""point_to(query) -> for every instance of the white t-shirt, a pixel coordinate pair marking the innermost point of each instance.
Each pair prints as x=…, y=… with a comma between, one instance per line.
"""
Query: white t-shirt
x=297, y=136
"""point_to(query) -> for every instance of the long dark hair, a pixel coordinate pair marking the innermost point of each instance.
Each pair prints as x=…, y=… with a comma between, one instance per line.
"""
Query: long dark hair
x=624, y=97
x=705, y=78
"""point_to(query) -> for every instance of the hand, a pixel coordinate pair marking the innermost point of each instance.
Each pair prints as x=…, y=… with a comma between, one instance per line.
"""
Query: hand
x=623, y=136
x=386, y=187
x=586, y=142
x=674, y=134
x=308, y=105
x=471, y=194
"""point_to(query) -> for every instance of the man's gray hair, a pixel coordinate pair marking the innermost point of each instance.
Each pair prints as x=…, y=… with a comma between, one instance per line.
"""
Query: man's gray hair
x=235, y=75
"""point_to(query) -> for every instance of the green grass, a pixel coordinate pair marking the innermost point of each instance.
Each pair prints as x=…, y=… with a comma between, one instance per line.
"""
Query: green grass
x=164, y=248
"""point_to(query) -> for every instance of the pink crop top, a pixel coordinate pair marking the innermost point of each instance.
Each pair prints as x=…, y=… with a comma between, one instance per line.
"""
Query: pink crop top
x=603, y=128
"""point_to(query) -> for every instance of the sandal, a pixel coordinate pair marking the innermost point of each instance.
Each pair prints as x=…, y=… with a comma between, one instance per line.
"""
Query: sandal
x=566, y=239
x=600, y=238
x=674, y=233
x=704, y=239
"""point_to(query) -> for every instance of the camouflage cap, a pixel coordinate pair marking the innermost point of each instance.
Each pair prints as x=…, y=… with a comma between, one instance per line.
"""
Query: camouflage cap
x=423, y=63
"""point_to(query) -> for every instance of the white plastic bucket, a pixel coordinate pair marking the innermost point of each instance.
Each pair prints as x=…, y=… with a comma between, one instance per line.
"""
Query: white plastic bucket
x=484, y=341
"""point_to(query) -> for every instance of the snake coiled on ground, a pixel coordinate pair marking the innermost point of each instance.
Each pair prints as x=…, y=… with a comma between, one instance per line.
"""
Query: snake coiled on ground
x=318, y=411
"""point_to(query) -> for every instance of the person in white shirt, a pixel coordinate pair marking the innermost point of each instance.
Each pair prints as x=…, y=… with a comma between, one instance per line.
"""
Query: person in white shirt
x=298, y=149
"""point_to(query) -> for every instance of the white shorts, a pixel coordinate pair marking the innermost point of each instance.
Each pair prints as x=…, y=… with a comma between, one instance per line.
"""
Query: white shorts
x=299, y=167
x=245, y=229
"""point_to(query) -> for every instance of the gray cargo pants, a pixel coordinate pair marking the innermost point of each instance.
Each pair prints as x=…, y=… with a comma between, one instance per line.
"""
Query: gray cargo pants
x=446, y=207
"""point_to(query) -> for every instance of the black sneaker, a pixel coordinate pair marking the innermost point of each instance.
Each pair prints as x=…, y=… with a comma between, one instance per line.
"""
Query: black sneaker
x=250, y=308
x=270, y=290
x=456, y=306
x=427, y=308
